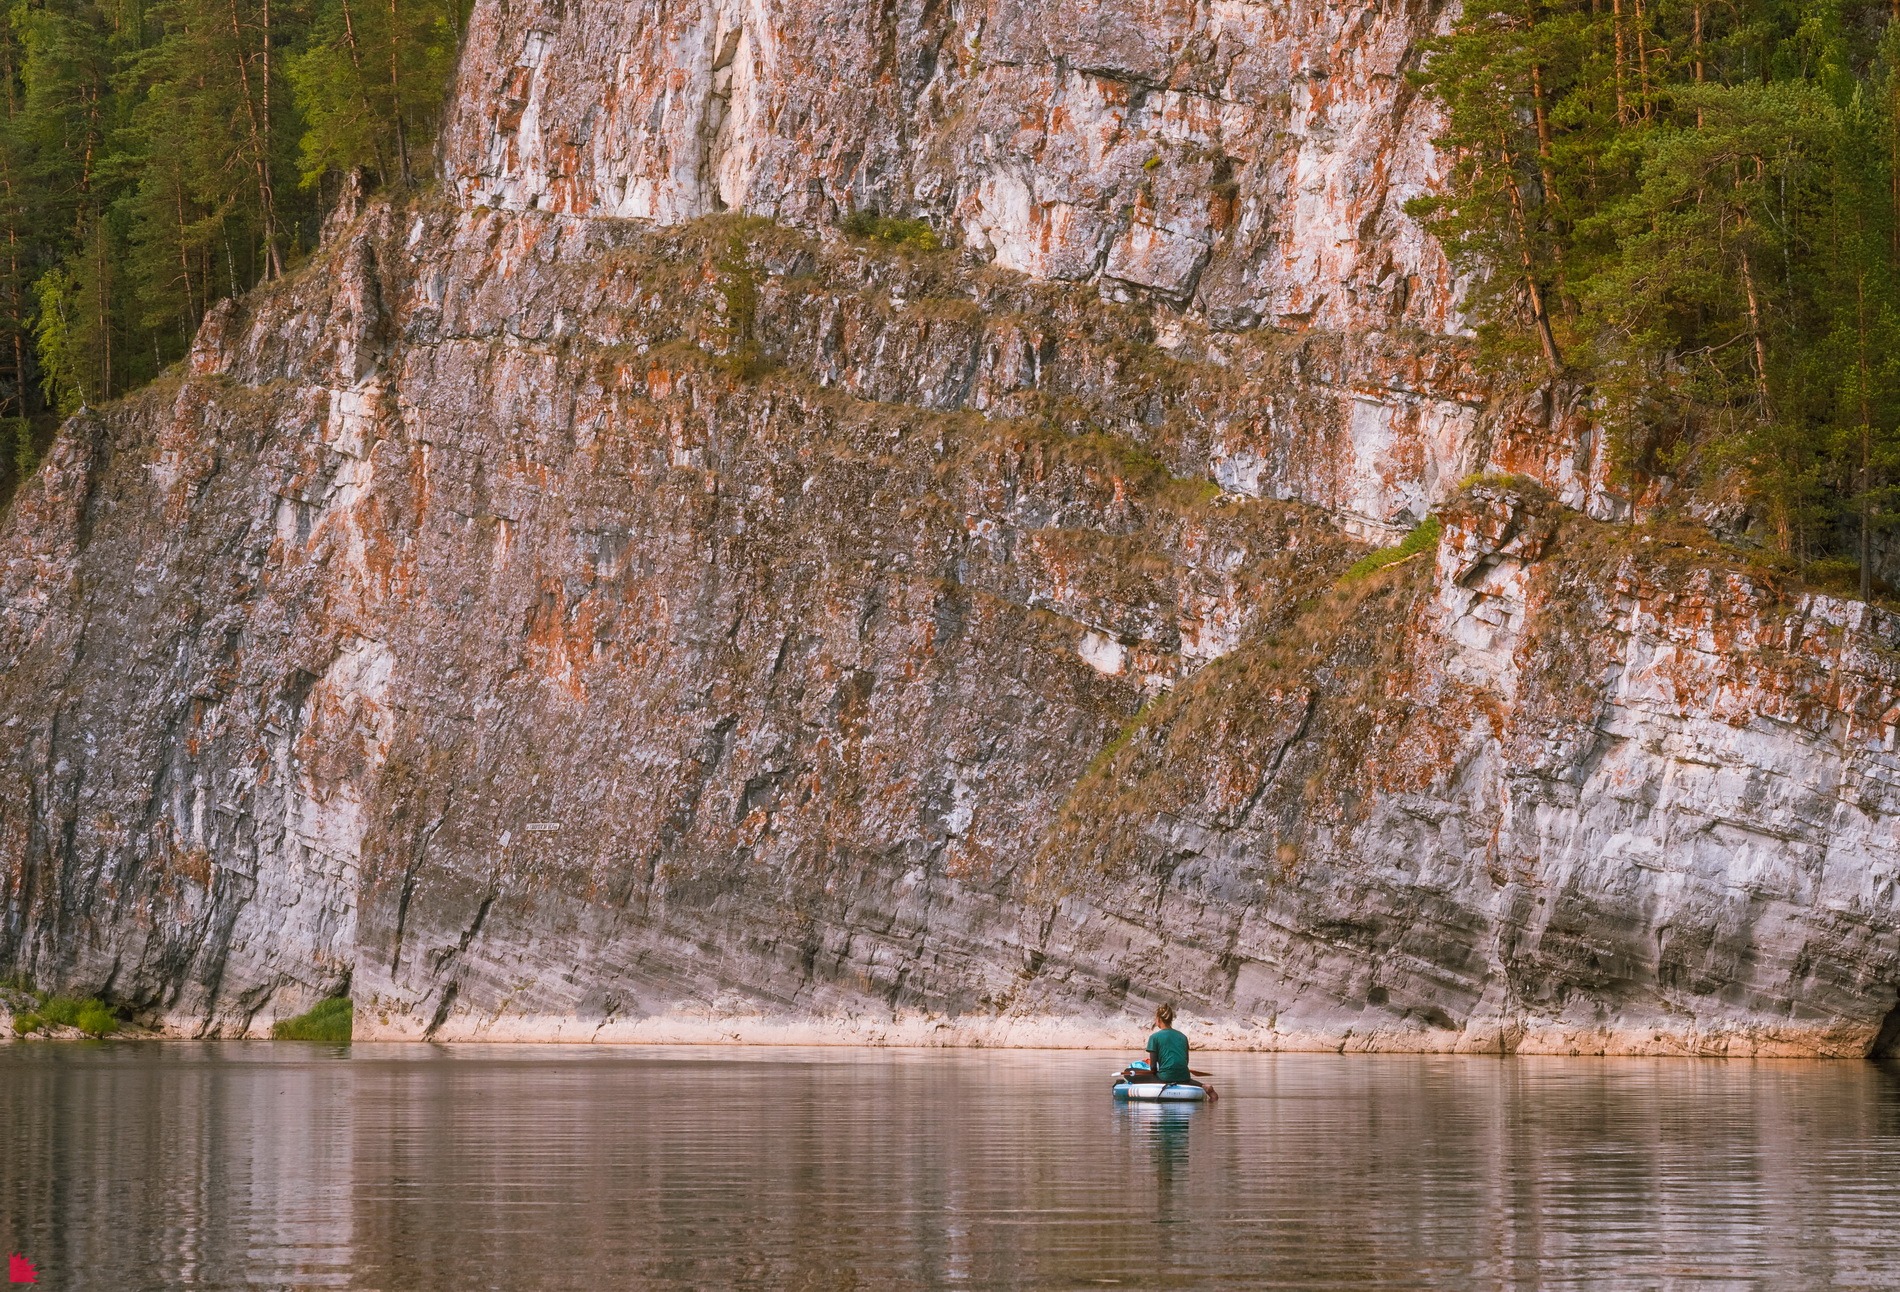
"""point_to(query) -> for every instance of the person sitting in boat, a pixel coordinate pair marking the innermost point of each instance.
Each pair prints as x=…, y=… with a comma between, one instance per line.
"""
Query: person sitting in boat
x=1168, y=1054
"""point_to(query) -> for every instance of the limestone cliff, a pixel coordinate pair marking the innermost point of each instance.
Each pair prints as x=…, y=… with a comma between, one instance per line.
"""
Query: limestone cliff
x=604, y=600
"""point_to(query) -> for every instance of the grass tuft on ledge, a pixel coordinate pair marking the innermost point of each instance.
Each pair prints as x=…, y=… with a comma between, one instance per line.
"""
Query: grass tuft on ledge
x=328, y=1023
x=1423, y=538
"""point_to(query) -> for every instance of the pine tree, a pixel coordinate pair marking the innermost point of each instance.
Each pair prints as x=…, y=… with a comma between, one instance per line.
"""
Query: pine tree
x=1694, y=206
x=372, y=83
x=150, y=152
x=67, y=116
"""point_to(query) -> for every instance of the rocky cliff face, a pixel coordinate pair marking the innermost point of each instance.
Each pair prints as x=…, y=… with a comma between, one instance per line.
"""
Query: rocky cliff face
x=605, y=601
x=1249, y=159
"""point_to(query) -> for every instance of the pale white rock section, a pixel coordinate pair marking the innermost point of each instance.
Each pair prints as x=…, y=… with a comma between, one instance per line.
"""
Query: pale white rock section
x=1481, y=605
x=1250, y=160
x=1103, y=654
x=671, y=125
x=1726, y=816
x=311, y=819
x=1408, y=453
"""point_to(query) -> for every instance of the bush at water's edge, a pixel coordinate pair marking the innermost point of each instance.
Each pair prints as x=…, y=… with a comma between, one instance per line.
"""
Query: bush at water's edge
x=329, y=1022
x=45, y=1013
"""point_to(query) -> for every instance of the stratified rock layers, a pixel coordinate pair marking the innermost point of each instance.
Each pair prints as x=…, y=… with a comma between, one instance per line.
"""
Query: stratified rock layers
x=543, y=623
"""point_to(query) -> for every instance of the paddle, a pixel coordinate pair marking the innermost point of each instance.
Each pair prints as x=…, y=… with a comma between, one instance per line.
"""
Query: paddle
x=1149, y=1072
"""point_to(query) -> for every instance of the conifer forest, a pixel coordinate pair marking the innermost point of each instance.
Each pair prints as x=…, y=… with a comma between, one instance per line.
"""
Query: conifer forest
x=1686, y=208
x=158, y=157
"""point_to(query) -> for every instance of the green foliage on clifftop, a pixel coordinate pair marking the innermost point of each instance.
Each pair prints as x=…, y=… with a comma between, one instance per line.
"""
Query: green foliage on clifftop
x=1689, y=209
x=917, y=235
x=157, y=158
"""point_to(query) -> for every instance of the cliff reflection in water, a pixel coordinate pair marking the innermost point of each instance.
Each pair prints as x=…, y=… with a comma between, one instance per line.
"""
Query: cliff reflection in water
x=416, y=1167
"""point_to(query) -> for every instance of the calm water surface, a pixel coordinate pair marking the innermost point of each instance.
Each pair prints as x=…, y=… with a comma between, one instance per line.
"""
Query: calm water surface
x=420, y=1167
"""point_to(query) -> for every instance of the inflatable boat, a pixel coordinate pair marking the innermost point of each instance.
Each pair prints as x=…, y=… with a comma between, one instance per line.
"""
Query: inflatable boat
x=1129, y=1085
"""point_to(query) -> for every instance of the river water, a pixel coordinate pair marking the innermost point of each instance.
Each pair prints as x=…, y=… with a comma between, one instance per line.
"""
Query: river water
x=391, y=1167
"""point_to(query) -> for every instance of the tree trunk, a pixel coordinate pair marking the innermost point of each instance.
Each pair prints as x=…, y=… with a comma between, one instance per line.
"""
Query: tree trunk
x=356, y=62
x=1866, y=443
x=1756, y=334
x=1642, y=63
x=1893, y=158
x=1622, y=101
x=260, y=156
x=1541, y=115
x=184, y=252
x=102, y=287
x=395, y=97
x=1539, y=315
x=1698, y=57
x=273, y=259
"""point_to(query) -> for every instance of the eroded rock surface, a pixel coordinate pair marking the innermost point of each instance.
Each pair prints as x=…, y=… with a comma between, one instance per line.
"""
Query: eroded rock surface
x=543, y=622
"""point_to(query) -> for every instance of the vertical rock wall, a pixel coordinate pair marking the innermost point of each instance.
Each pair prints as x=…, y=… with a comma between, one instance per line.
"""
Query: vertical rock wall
x=1250, y=159
x=577, y=606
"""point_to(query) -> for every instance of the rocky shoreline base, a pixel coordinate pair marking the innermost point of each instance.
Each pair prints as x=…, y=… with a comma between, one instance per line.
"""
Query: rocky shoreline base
x=1628, y=1038
x=1505, y=1037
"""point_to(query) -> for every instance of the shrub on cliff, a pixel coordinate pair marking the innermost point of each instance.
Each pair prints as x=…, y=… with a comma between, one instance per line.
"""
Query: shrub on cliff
x=915, y=235
x=330, y=1022
x=95, y=1018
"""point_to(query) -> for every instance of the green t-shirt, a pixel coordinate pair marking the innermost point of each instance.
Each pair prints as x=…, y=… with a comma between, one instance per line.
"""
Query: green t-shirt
x=1168, y=1050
